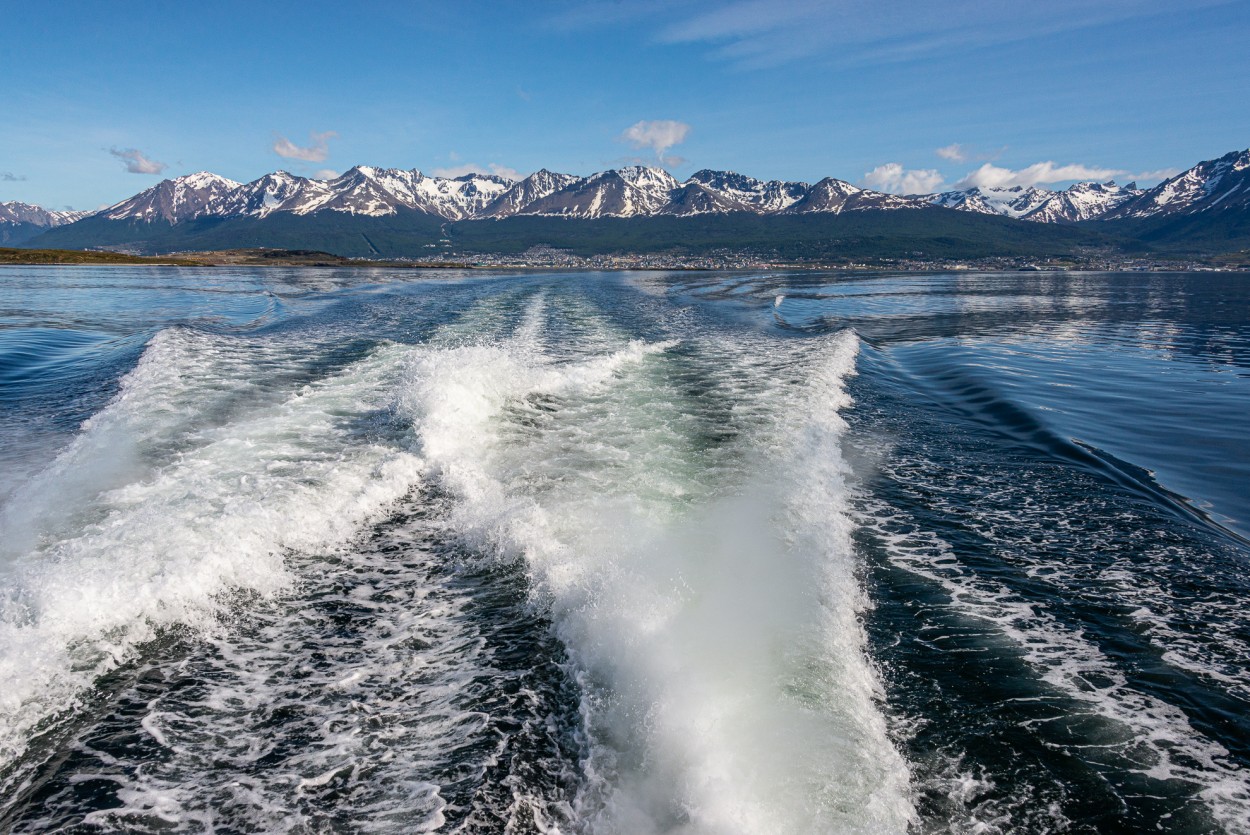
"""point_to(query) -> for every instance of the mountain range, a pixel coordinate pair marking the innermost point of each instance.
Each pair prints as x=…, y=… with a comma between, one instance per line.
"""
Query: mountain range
x=635, y=191
x=22, y=221
x=390, y=212
x=1082, y=201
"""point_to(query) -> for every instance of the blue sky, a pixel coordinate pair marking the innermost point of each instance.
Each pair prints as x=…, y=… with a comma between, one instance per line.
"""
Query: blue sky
x=101, y=100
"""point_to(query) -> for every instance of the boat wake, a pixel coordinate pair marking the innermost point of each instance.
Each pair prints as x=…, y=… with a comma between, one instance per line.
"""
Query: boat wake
x=505, y=583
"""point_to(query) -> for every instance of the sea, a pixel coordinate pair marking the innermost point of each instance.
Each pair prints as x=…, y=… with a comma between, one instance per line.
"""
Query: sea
x=398, y=551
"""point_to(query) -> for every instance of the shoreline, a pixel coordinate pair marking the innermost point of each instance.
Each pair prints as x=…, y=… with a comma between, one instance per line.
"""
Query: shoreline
x=271, y=258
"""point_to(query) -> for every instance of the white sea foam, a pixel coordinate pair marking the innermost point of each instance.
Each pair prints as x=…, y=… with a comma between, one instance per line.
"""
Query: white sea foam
x=697, y=566
x=181, y=376
x=160, y=536
x=362, y=750
x=1152, y=737
x=713, y=626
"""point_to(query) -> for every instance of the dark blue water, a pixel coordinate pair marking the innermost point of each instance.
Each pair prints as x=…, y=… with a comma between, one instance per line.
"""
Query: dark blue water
x=318, y=550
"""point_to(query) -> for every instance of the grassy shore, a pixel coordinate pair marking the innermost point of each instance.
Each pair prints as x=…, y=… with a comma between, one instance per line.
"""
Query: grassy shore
x=259, y=257
x=216, y=258
x=78, y=256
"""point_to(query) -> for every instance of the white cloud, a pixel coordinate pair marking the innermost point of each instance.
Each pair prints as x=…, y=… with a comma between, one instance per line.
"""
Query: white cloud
x=507, y=172
x=473, y=168
x=316, y=151
x=137, y=162
x=1039, y=173
x=953, y=152
x=756, y=34
x=325, y=174
x=658, y=135
x=1157, y=176
x=895, y=179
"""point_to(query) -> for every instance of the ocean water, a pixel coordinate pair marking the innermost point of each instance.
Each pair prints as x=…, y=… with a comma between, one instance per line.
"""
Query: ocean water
x=317, y=551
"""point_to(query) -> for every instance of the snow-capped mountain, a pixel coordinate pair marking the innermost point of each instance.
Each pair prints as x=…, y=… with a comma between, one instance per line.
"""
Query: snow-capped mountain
x=1212, y=186
x=756, y=195
x=275, y=192
x=176, y=200
x=22, y=221
x=524, y=192
x=694, y=198
x=634, y=191
x=1082, y=201
x=14, y=212
x=383, y=191
x=638, y=191
x=419, y=214
x=362, y=190
x=836, y=196
x=1016, y=201
x=628, y=192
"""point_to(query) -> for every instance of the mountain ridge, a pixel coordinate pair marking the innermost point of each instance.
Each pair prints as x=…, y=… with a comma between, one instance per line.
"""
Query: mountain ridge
x=409, y=206
x=639, y=190
x=20, y=221
x=1212, y=185
x=632, y=191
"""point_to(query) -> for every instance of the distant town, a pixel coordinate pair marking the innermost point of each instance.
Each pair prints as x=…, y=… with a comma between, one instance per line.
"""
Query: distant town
x=551, y=258
x=542, y=257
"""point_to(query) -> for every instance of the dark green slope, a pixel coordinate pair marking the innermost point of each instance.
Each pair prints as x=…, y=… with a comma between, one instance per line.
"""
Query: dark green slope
x=939, y=233
x=1201, y=233
x=925, y=233
x=406, y=233
x=13, y=234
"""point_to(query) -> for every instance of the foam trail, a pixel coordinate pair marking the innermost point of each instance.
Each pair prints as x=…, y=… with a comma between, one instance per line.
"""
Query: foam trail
x=380, y=729
x=182, y=377
x=1150, y=736
x=713, y=627
x=161, y=543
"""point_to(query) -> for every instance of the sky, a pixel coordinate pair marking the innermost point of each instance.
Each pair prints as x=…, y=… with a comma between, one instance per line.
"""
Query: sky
x=101, y=100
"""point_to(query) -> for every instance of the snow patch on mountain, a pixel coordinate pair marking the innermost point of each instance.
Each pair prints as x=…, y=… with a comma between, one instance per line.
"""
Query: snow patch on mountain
x=173, y=201
x=643, y=191
x=628, y=192
x=750, y=193
x=524, y=192
x=1010, y=201
x=837, y=196
x=1212, y=185
x=1082, y=201
x=15, y=212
